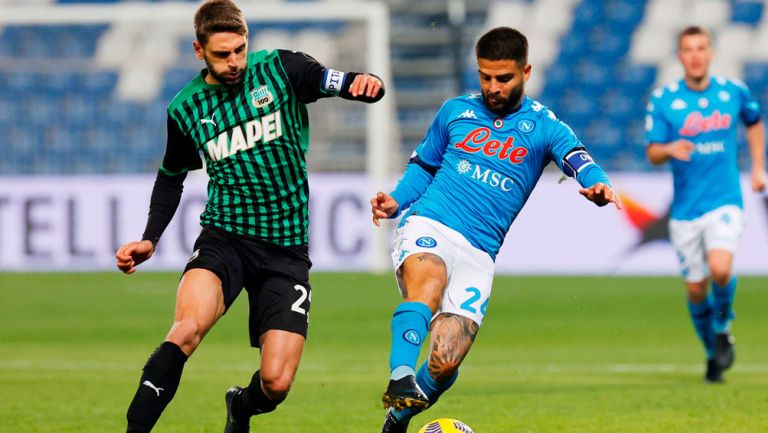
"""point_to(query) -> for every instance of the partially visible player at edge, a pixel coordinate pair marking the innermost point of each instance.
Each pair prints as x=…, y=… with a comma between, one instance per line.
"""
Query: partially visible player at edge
x=464, y=186
x=246, y=112
x=692, y=123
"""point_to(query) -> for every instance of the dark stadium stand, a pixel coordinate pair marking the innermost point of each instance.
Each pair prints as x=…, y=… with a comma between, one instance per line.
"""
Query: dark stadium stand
x=59, y=112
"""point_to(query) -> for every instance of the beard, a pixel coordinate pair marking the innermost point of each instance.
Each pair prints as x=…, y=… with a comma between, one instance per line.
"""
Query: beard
x=504, y=104
x=227, y=79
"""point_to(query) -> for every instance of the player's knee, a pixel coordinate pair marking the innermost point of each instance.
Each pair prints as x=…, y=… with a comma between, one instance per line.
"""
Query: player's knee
x=697, y=292
x=721, y=277
x=187, y=334
x=276, y=385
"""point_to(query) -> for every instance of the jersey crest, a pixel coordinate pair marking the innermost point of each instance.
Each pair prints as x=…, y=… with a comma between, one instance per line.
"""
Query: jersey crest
x=261, y=97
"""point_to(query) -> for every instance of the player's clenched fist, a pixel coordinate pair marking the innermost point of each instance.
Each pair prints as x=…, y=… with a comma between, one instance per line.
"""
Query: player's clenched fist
x=365, y=85
x=383, y=206
x=132, y=254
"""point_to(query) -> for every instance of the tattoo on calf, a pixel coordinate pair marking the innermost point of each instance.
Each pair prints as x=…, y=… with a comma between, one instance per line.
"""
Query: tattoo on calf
x=452, y=336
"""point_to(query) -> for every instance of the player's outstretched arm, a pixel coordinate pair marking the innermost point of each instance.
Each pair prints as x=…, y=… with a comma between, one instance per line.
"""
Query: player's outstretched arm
x=601, y=194
x=132, y=254
x=383, y=206
x=595, y=185
x=180, y=157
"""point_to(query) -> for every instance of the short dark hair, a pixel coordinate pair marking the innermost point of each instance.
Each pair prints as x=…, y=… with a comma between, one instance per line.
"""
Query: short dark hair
x=693, y=30
x=503, y=43
x=218, y=16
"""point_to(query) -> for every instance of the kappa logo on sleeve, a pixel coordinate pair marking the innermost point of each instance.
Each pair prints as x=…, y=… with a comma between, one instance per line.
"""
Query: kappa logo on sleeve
x=467, y=114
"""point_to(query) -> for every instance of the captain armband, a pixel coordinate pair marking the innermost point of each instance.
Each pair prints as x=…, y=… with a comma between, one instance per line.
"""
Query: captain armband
x=333, y=81
x=576, y=160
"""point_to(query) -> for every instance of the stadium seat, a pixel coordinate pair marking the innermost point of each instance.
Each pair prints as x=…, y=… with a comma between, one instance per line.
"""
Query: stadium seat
x=668, y=14
x=756, y=74
x=652, y=43
x=553, y=16
x=586, y=15
x=20, y=82
x=623, y=14
x=759, y=46
x=637, y=76
x=98, y=83
x=711, y=14
x=513, y=14
x=8, y=110
x=734, y=42
x=747, y=11
x=621, y=106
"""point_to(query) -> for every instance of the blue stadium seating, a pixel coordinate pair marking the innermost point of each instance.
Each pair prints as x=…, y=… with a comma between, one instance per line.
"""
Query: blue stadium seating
x=600, y=92
x=71, y=111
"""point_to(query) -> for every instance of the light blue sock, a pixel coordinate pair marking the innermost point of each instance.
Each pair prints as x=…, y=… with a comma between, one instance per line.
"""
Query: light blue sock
x=432, y=388
x=724, y=305
x=703, y=315
x=410, y=324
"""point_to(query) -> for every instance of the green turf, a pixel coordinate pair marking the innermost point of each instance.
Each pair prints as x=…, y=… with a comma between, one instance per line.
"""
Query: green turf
x=613, y=355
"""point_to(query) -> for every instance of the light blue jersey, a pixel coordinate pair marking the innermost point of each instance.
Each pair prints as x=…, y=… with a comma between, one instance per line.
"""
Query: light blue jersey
x=474, y=170
x=708, y=119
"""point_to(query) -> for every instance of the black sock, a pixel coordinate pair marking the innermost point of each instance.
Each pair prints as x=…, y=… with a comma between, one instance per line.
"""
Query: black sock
x=157, y=386
x=255, y=402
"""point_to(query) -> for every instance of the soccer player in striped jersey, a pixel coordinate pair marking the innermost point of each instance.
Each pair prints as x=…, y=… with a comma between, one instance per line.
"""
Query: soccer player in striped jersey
x=464, y=186
x=693, y=123
x=246, y=113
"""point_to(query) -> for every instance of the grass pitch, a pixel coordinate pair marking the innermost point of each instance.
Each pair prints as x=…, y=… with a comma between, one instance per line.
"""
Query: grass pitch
x=613, y=355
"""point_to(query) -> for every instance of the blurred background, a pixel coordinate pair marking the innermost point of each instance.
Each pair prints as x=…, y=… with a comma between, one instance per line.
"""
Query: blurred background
x=87, y=95
x=83, y=92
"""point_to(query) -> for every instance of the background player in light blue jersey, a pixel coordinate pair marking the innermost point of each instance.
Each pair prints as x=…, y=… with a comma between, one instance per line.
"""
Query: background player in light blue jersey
x=464, y=186
x=692, y=124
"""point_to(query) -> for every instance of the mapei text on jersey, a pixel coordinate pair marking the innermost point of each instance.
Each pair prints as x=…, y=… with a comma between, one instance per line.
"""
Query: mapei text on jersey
x=264, y=129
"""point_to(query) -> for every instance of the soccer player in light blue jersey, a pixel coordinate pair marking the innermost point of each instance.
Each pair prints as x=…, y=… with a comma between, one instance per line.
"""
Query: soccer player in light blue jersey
x=692, y=124
x=464, y=186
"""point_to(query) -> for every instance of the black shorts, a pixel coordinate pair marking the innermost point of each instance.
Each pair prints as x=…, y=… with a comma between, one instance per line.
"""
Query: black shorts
x=276, y=278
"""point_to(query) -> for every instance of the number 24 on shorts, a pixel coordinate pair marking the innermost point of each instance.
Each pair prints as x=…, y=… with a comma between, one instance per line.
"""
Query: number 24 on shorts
x=471, y=303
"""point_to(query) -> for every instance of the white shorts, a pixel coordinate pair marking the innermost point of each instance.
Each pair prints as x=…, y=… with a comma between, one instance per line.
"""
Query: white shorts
x=719, y=229
x=470, y=270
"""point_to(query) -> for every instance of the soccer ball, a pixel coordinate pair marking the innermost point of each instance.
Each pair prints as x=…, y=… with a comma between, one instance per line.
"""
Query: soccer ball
x=445, y=425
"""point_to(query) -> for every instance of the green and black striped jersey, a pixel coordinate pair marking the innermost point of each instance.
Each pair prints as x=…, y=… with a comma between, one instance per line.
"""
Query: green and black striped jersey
x=254, y=138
